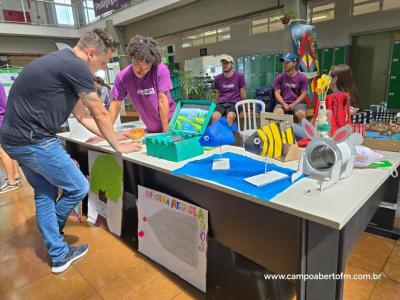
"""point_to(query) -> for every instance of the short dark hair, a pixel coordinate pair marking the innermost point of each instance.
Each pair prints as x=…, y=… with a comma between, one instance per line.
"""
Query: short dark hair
x=99, y=39
x=144, y=48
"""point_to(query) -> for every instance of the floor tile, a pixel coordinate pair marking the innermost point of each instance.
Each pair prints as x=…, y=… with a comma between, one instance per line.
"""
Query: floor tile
x=357, y=289
x=386, y=289
x=392, y=266
x=371, y=252
x=68, y=285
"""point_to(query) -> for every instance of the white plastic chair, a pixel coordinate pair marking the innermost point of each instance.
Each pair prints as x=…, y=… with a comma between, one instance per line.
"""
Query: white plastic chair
x=249, y=108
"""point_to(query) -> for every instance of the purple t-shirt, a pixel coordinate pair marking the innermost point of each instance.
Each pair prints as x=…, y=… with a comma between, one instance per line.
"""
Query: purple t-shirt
x=229, y=88
x=144, y=93
x=3, y=103
x=291, y=87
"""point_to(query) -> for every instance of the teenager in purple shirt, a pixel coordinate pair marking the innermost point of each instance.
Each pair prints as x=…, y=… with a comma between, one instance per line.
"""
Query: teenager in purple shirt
x=13, y=180
x=231, y=88
x=290, y=89
x=148, y=83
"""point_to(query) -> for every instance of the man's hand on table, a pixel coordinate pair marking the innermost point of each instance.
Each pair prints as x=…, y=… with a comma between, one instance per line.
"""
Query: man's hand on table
x=121, y=136
x=129, y=147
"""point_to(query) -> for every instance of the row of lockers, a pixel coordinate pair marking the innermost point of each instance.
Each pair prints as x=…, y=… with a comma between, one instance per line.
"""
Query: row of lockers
x=394, y=80
x=260, y=70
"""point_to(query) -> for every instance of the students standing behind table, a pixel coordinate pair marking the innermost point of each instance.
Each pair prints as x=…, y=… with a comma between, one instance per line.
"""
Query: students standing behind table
x=103, y=91
x=291, y=89
x=148, y=83
x=13, y=180
x=231, y=88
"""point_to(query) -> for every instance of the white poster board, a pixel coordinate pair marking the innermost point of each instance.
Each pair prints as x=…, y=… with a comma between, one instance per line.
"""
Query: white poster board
x=78, y=131
x=106, y=188
x=7, y=77
x=174, y=233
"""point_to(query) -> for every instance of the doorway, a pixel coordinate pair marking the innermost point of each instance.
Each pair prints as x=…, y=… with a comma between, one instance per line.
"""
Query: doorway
x=369, y=60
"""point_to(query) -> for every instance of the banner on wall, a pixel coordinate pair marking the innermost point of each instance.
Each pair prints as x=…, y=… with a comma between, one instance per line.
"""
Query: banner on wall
x=103, y=6
x=174, y=233
x=304, y=41
x=8, y=76
x=106, y=188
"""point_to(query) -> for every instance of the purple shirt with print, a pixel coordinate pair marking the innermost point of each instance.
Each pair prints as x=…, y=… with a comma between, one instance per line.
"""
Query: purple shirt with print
x=144, y=93
x=3, y=103
x=229, y=88
x=291, y=87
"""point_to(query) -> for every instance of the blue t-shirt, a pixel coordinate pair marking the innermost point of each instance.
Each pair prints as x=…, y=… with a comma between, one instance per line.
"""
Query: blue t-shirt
x=43, y=96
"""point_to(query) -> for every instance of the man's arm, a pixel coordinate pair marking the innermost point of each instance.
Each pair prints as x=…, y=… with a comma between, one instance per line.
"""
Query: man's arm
x=163, y=108
x=243, y=95
x=216, y=96
x=279, y=99
x=299, y=99
x=114, y=109
x=84, y=118
x=100, y=124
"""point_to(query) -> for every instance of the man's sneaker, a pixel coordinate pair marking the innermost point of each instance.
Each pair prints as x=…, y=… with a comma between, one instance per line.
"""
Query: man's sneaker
x=8, y=187
x=18, y=180
x=74, y=253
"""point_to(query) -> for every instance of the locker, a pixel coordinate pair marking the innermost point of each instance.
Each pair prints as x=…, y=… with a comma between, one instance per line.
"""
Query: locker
x=339, y=55
x=327, y=61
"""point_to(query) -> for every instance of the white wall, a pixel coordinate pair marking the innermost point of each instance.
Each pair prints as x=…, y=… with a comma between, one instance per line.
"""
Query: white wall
x=30, y=45
x=195, y=15
x=329, y=34
x=338, y=32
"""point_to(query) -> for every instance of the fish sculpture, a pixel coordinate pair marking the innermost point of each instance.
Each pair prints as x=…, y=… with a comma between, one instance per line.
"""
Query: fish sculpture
x=269, y=140
x=218, y=134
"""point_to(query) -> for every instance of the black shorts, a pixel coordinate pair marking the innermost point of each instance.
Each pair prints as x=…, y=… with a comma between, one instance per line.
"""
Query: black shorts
x=225, y=107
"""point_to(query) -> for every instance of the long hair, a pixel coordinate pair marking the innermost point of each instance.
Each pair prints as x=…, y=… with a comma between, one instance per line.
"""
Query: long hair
x=345, y=81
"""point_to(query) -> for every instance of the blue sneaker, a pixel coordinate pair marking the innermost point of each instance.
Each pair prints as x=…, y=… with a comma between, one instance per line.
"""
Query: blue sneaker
x=74, y=253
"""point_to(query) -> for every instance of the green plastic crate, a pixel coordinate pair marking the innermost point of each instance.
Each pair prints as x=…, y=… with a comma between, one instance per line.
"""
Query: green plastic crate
x=190, y=120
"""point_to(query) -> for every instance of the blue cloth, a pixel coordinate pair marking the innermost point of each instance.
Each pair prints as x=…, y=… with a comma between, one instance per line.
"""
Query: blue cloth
x=241, y=167
x=381, y=136
x=48, y=167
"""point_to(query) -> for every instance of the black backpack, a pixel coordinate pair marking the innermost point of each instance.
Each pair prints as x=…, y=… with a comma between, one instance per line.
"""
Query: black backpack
x=266, y=94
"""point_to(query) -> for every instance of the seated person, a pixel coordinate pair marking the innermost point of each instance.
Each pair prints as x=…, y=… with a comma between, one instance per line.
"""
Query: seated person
x=230, y=87
x=342, y=82
x=291, y=89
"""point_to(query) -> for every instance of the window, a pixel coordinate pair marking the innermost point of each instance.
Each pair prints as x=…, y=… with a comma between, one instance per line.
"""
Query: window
x=64, y=13
x=361, y=7
x=210, y=37
x=207, y=37
x=265, y=25
x=89, y=11
x=321, y=13
x=224, y=34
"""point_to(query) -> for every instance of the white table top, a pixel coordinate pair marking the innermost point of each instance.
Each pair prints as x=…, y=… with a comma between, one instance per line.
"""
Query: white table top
x=333, y=207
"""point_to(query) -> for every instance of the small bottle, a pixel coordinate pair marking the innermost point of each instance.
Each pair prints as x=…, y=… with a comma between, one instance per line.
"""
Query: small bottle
x=323, y=124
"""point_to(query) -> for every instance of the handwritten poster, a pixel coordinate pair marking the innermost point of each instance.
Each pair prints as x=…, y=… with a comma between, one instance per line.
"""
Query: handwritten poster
x=173, y=233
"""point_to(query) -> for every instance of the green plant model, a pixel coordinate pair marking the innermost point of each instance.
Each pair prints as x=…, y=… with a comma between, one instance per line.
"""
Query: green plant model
x=106, y=177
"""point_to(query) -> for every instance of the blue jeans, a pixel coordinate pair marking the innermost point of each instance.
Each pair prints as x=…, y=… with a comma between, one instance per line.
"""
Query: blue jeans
x=47, y=167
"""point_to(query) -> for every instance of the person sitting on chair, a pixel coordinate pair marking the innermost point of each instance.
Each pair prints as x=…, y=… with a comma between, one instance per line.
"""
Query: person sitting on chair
x=291, y=89
x=230, y=87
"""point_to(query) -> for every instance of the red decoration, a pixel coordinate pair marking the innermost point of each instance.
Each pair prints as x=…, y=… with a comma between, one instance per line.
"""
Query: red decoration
x=339, y=105
x=141, y=233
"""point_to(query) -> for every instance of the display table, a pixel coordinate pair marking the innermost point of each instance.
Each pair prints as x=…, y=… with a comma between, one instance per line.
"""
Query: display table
x=294, y=233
